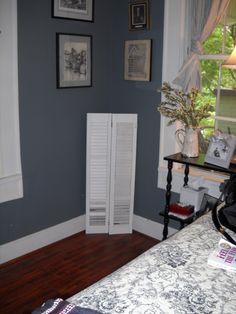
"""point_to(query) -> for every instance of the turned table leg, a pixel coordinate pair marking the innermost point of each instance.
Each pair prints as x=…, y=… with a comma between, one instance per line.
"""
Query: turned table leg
x=186, y=173
x=168, y=195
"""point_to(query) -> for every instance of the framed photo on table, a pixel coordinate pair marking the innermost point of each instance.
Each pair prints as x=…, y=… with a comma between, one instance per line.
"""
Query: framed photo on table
x=73, y=9
x=139, y=15
x=137, y=64
x=220, y=151
x=74, y=60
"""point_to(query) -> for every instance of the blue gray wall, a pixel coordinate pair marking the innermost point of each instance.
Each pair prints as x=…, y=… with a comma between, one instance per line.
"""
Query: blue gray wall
x=53, y=121
x=142, y=98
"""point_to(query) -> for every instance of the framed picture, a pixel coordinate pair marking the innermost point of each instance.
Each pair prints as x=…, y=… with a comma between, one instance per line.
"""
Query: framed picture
x=220, y=151
x=74, y=60
x=137, y=64
x=139, y=15
x=73, y=9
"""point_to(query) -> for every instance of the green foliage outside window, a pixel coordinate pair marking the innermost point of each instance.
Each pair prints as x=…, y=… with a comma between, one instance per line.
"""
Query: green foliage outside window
x=210, y=72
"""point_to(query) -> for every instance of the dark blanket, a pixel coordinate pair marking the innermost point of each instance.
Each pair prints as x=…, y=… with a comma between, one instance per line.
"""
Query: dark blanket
x=59, y=306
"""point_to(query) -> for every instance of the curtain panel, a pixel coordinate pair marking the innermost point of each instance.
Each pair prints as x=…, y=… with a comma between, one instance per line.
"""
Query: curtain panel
x=205, y=15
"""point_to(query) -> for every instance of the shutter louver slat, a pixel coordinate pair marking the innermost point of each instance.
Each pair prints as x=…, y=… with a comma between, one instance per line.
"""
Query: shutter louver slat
x=98, y=165
x=123, y=169
x=122, y=173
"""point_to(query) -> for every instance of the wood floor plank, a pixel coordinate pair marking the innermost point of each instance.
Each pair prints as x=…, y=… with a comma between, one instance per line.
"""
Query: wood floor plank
x=65, y=268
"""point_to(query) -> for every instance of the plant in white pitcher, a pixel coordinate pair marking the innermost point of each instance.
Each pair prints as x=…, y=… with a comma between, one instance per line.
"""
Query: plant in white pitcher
x=183, y=107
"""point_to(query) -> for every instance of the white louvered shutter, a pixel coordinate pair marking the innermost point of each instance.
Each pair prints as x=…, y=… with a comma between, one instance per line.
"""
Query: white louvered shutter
x=123, y=160
x=98, y=172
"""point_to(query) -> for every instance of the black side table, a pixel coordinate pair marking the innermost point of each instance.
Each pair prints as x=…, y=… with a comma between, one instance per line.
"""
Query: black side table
x=194, y=162
x=183, y=221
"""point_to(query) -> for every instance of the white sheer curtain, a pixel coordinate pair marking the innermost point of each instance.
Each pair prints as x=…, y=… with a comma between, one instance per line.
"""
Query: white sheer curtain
x=205, y=15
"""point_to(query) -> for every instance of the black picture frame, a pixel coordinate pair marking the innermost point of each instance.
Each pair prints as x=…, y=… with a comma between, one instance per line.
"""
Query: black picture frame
x=139, y=15
x=81, y=10
x=74, y=60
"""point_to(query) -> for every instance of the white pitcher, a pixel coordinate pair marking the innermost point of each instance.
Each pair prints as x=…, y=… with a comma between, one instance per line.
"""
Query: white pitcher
x=188, y=141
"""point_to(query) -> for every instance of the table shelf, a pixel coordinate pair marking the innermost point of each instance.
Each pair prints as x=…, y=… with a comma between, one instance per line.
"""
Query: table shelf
x=187, y=161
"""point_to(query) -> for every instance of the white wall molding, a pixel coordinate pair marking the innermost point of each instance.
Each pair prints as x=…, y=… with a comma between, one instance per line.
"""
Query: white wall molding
x=42, y=238
x=175, y=43
x=32, y=242
x=150, y=228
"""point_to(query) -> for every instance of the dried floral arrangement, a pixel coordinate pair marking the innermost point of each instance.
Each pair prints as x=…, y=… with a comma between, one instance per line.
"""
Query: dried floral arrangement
x=183, y=107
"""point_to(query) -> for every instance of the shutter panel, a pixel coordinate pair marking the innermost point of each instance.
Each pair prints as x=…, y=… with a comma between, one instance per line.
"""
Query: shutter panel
x=98, y=172
x=123, y=160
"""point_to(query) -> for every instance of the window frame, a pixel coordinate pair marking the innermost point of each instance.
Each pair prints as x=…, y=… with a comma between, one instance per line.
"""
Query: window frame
x=11, y=186
x=222, y=58
x=175, y=47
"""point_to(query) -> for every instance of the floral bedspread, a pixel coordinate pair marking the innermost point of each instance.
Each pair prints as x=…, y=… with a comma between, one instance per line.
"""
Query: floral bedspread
x=171, y=277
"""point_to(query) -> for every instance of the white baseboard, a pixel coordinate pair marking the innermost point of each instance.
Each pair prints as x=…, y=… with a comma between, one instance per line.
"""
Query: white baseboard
x=50, y=235
x=149, y=227
x=42, y=238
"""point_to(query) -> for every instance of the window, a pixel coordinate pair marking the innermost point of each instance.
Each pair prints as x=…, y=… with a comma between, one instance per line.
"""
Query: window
x=218, y=82
x=175, y=48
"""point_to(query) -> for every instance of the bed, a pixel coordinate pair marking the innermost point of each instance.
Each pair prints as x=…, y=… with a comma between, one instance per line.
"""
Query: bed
x=171, y=277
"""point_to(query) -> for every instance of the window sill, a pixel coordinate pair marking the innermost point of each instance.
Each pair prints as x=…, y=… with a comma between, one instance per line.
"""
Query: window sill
x=210, y=178
x=11, y=188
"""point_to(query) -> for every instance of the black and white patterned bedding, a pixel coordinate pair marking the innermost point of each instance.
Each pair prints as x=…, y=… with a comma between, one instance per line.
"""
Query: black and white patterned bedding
x=171, y=277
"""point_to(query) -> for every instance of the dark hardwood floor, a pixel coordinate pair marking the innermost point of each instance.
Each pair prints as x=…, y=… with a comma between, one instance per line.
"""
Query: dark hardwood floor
x=65, y=268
